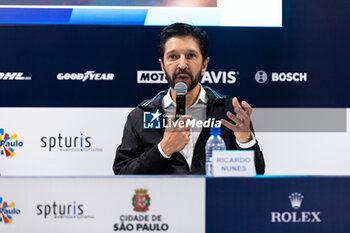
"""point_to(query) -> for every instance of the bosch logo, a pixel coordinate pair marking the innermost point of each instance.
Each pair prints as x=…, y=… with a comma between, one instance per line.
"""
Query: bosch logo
x=261, y=76
x=289, y=77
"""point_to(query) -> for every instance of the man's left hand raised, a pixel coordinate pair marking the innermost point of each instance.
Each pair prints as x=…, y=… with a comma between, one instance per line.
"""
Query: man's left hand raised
x=241, y=126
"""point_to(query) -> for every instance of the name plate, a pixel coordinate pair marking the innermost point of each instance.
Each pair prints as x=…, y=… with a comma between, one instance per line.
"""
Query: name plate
x=233, y=163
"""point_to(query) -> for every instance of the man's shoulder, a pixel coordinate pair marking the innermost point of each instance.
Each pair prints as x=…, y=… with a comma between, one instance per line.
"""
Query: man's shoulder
x=152, y=104
x=216, y=97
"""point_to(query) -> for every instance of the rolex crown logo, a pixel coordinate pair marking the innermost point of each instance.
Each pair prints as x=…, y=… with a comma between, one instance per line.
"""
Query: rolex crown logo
x=295, y=200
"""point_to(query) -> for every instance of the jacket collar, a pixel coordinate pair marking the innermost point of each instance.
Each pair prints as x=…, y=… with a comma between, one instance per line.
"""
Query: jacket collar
x=156, y=102
x=202, y=97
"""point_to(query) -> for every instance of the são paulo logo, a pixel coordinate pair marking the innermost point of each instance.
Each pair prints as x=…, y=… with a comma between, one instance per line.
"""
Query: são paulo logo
x=138, y=220
x=296, y=199
x=7, y=211
x=8, y=143
x=141, y=201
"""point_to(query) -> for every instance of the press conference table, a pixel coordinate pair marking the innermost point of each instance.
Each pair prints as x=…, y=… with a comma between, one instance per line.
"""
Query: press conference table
x=175, y=204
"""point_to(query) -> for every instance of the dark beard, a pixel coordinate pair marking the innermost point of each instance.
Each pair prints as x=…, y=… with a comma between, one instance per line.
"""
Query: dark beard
x=194, y=81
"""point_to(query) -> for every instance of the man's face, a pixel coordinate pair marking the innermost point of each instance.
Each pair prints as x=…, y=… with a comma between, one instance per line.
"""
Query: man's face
x=183, y=61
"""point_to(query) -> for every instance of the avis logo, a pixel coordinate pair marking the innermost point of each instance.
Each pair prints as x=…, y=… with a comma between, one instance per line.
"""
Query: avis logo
x=7, y=143
x=7, y=211
x=296, y=200
x=141, y=201
x=151, y=120
x=219, y=77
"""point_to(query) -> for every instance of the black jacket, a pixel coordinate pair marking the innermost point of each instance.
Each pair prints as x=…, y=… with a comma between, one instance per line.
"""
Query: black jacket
x=139, y=154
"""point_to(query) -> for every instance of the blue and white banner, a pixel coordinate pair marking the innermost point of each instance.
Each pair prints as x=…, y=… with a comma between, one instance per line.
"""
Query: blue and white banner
x=267, y=13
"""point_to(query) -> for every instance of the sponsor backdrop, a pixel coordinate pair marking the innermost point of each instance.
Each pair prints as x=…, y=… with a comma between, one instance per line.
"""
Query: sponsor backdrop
x=98, y=205
x=66, y=89
x=83, y=141
x=169, y=204
x=302, y=64
x=275, y=205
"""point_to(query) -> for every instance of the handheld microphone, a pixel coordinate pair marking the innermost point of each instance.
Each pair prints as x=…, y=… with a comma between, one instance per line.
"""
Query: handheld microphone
x=180, y=91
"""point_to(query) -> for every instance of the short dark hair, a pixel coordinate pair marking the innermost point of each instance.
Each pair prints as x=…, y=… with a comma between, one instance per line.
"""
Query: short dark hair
x=183, y=29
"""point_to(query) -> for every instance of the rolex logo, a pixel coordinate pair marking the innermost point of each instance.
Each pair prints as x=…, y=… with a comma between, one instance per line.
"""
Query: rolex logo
x=296, y=216
x=295, y=200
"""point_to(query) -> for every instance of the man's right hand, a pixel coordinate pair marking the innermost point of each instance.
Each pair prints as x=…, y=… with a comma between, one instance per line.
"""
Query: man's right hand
x=175, y=137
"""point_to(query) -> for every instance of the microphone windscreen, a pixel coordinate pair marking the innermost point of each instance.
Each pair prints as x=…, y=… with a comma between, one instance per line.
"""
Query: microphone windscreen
x=180, y=88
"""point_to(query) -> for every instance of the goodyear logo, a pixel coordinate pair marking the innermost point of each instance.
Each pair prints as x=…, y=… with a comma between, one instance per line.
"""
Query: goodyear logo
x=87, y=76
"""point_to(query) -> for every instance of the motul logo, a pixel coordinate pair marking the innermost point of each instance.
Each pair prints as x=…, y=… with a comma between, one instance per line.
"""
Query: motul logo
x=151, y=76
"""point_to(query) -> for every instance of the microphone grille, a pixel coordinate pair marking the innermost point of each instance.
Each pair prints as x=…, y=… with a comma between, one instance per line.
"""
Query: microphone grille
x=180, y=88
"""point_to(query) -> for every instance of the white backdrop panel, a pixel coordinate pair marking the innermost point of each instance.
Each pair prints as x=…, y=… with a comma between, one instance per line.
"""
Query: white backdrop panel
x=297, y=153
x=180, y=203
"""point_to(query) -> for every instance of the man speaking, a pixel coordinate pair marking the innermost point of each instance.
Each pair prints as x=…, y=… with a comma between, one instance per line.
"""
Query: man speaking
x=173, y=148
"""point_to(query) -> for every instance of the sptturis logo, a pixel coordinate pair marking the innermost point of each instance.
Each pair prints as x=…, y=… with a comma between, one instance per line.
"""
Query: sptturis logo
x=7, y=211
x=79, y=143
x=8, y=143
x=72, y=210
